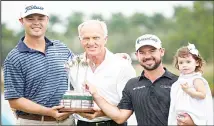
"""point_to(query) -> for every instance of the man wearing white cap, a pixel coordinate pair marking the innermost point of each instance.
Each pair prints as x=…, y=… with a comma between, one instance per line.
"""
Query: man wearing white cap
x=34, y=76
x=147, y=95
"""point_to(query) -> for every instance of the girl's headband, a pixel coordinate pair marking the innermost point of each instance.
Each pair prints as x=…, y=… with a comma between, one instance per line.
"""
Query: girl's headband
x=192, y=49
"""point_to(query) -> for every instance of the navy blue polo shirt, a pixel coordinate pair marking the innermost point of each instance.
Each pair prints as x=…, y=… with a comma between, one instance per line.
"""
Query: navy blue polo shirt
x=150, y=101
x=37, y=76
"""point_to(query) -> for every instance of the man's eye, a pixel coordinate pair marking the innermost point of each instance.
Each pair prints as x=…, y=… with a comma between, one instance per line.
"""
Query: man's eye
x=141, y=52
x=85, y=38
x=96, y=38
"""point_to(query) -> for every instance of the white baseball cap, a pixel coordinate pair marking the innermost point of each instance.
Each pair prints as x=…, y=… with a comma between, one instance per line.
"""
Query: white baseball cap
x=148, y=39
x=33, y=9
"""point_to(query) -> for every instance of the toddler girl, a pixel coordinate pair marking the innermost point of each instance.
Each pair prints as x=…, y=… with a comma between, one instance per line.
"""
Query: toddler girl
x=190, y=94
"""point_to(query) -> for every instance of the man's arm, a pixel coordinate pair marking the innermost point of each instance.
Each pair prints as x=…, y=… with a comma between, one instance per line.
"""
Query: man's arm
x=97, y=113
x=116, y=114
x=28, y=106
x=127, y=72
x=14, y=93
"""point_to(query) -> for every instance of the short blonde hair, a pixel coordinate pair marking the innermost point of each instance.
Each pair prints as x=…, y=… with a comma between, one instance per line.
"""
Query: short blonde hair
x=102, y=24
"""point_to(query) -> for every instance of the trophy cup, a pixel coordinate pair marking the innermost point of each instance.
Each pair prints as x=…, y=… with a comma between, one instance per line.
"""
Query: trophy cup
x=77, y=100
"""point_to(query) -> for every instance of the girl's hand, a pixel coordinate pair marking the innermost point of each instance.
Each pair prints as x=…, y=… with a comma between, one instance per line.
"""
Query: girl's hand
x=185, y=87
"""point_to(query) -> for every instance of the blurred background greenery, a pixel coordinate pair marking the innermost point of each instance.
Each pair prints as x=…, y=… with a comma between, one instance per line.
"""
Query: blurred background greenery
x=194, y=25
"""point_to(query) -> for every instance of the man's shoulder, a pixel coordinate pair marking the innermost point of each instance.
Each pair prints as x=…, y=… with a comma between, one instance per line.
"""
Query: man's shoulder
x=121, y=61
x=133, y=80
x=123, y=64
x=55, y=41
x=58, y=42
x=13, y=54
x=174, y=76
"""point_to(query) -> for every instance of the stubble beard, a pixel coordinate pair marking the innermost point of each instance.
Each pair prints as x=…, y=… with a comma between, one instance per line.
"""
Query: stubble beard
x=157, y=64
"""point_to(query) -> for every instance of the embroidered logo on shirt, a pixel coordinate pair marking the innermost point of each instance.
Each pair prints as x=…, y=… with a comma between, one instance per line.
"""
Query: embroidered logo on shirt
x=139, y=87
x=165, y=86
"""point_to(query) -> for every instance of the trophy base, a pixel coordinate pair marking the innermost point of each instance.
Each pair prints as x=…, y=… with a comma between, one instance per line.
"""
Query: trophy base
x=76, y=110
x=77, y=102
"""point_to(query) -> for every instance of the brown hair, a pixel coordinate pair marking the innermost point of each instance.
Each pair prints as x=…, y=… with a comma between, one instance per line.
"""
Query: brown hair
x=184, y=52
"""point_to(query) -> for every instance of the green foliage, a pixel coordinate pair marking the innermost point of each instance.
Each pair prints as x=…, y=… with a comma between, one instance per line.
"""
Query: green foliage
x=9, y=40
x=194, y=25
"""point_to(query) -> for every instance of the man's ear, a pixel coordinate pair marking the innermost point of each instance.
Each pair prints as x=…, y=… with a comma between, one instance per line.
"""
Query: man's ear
x=48, y=19
x=136, y=54
x=21, y=20
x=106, y=38
x=162, y=51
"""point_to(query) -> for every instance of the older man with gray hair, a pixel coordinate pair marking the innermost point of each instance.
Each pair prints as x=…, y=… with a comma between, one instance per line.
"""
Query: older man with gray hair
x=107, y=72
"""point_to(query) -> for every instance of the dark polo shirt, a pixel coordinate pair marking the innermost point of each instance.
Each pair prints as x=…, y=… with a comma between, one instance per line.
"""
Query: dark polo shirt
x=150, y=101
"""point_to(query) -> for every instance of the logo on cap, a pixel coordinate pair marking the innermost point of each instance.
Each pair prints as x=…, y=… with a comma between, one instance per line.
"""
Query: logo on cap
x=33, y=7
x=147, y=38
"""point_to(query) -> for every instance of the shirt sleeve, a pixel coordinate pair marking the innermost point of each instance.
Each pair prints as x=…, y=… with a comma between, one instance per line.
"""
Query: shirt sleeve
x=13, y=81
x=127, y=72
x=126, y=101
x=70, y=55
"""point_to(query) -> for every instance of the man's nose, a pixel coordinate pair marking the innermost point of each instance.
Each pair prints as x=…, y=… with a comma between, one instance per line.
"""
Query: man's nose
x=91, y=41
x=147, y=54
x=36, y=21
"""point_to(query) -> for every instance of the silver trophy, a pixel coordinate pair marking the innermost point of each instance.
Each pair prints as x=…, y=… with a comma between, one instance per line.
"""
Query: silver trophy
x=74, y=66
x=77, y=100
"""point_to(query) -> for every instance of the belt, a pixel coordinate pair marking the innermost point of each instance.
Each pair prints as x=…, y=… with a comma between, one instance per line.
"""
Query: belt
x=101, y=123
x=37, y=117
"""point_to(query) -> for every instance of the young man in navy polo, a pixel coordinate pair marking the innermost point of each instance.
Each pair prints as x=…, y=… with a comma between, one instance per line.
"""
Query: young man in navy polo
x=34, y=76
